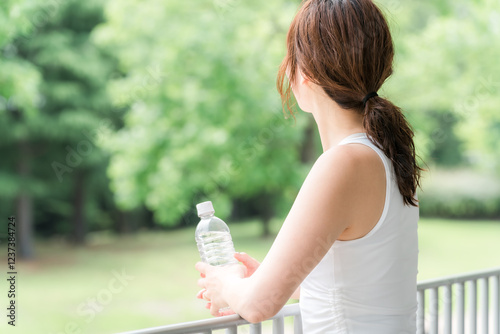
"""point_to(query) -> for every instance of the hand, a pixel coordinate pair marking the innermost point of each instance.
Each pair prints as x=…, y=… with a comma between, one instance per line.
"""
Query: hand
x=202, y=295
x=212, y=282
x=251, y=266
x=249, y=262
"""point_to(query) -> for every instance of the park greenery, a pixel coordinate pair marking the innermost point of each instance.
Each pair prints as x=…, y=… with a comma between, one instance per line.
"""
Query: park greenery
x=119, y=115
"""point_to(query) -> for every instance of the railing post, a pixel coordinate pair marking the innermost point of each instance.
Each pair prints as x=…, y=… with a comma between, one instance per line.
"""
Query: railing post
x=421, y=311
x=256, y=328
x=472, y=307
x=460, y=301
x=447, y=296
x=232, y=330
x=278, y=326
x=297, y=324
x=434, y=310
x=484, y=304
x=495, y=289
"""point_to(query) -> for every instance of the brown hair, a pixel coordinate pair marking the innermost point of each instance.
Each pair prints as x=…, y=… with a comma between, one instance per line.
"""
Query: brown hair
x=345, y=47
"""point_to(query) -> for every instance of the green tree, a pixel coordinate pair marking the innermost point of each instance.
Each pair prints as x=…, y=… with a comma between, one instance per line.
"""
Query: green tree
x=205, y=120
x=51, y=135
x=446, y=79
x=19, y=84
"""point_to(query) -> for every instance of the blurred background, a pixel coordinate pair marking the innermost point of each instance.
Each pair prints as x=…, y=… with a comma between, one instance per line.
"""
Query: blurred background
x=118, y=116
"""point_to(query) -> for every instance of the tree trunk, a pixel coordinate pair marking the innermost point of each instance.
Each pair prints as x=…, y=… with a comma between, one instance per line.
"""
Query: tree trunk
x=121, y=224
x=148, y=219
x=267, y=213
x=79, y=222
x=266, y=231
x=24, y=205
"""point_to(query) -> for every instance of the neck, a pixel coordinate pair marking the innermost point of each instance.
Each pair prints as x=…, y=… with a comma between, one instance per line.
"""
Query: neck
x=334, y=123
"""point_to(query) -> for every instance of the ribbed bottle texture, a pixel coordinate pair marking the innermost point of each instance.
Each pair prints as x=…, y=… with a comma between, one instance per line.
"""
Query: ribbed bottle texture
x=213, y=238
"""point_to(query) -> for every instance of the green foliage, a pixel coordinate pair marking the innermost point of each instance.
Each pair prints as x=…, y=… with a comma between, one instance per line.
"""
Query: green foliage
x=204, y=113
x=205, y=118
x=460, y=194
x=193, y=87
x=446, y=78
x=19, y=82
x=53, y=101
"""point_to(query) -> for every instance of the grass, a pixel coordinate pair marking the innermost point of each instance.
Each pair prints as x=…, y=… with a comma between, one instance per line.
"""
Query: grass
x=75, y=290
x=450, y=247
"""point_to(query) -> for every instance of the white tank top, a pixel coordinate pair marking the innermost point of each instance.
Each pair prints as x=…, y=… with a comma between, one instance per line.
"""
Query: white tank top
x=367, y=285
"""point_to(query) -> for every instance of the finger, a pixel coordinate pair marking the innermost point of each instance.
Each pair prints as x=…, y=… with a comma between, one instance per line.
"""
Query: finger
x=202, y=283
x=206, y=296
x=226, y=311
x=201, y=267
x=199, y=295
x=214, y=310
x=240, y=256
x=248, y=262
x=246, y=259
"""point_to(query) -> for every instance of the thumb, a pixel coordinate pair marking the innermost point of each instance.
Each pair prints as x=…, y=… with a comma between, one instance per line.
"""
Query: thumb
x=249, y=262
x=243, y=257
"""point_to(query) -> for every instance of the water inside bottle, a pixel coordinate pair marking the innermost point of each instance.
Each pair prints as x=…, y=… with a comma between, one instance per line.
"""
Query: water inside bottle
x=216, y=248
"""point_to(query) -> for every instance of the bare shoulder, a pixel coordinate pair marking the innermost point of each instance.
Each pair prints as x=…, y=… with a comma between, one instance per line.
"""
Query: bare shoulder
x=348, y=171
x=353, y=178
x=351, y=160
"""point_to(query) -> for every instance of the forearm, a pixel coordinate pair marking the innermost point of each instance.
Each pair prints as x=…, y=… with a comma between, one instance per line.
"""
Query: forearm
x=237, y=295
x=296, y=294
x=250, y=299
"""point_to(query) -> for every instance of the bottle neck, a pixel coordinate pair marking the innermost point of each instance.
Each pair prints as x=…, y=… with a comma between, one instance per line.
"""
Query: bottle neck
x=207, y=215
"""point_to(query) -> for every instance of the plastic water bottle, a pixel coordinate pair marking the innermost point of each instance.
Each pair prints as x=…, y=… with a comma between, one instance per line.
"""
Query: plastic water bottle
x=213, y=237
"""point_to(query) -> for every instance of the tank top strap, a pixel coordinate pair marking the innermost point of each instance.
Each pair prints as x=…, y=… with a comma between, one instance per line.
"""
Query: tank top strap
x=362, y=138
x=353, y=138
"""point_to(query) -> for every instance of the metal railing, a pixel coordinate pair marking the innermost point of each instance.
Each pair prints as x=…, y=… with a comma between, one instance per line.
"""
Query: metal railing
x=230, y=323
x=452, y=304
x=442, y=309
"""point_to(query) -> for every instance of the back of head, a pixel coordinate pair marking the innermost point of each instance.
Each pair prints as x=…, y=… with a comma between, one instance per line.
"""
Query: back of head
x=345, y=47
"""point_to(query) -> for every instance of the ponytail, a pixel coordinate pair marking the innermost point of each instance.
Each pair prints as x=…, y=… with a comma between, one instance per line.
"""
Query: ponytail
x=346, y=48
x=388, y=129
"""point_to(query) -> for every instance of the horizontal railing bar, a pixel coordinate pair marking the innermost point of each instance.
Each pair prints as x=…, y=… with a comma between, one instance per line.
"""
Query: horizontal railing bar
x=213, y=323
x=434, y=283
x=196, y=326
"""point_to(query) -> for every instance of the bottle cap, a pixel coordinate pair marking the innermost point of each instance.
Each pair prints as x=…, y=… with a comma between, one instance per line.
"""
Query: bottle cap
x=205, y=208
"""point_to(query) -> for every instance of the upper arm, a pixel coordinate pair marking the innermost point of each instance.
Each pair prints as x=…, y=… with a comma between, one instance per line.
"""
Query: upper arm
x=323, y=209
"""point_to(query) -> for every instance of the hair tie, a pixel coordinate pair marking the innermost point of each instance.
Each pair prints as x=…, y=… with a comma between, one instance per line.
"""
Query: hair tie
x=369, y=96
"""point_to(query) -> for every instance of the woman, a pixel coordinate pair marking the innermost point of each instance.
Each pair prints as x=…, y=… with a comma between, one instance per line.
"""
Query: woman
x=349, y=243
